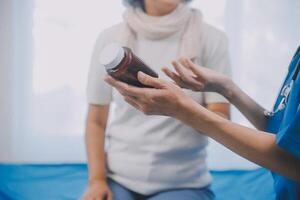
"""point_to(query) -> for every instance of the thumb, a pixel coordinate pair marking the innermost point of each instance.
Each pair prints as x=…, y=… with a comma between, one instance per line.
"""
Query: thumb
x=150, y=81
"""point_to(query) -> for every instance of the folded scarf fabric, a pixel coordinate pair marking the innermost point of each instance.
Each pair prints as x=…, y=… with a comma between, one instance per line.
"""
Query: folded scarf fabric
x=183, y=19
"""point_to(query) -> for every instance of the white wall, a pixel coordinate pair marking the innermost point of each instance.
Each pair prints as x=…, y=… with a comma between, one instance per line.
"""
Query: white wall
x=6, y=79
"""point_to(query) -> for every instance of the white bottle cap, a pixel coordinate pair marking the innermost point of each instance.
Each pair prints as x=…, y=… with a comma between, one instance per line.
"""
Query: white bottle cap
x=111, y=55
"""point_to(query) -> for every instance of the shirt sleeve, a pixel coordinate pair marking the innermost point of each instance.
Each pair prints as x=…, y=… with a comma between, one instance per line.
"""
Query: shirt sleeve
x=217, y=59
x=98, y=91
x=289, y=137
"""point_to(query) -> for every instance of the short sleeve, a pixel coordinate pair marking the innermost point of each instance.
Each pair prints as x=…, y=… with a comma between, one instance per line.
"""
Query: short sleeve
x=288, y=137
x=217, y=59
x=98, y=91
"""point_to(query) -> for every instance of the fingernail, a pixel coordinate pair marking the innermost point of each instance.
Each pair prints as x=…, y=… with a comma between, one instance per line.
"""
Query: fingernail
x=142, y=74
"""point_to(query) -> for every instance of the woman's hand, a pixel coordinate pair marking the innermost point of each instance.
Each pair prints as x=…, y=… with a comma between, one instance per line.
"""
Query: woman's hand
x=191, y=76
x=98, y=190
x=165, y=98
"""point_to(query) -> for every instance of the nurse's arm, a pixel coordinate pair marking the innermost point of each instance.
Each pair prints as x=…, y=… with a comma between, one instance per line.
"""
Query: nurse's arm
x=257, y=146
x=194, y=77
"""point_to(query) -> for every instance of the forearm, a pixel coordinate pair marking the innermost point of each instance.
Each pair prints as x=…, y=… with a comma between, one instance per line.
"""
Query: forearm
x=245, y=104
x=95, y=153
x=256, y=146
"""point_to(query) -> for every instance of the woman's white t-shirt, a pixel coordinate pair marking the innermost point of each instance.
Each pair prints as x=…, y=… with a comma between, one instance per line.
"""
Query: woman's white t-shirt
x=148, y=154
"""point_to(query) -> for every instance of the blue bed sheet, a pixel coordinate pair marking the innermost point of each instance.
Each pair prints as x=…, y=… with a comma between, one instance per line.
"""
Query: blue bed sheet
x=68, y=181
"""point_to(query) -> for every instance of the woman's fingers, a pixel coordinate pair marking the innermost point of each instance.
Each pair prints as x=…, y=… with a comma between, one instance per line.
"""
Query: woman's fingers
x=187, y=77
x=174, y=77
x=106, y=195
x=124, y=88
x=132, y=101
x=109, y=196
x=187, y=63
x=102, y=196
x=150, y=81
x=181, y=71
x=171, y=74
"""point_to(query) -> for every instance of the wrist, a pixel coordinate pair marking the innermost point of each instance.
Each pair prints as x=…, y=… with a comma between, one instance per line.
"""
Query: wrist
x=194, y=115
x=97, y=181
x=185, y=108
x=228, y=89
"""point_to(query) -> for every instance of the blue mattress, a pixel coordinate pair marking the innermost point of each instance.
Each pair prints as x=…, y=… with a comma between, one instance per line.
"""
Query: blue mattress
x=59, y=182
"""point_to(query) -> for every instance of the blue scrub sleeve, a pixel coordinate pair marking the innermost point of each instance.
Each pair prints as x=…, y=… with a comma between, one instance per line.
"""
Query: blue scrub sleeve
x=289, y=137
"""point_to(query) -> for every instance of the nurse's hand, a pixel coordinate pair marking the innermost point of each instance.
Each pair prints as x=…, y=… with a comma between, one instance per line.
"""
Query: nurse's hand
x=165, y=98
x=98, y=190
x=194, y=77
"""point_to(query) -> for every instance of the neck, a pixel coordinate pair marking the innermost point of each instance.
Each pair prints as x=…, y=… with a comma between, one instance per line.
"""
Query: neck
x=156, y=9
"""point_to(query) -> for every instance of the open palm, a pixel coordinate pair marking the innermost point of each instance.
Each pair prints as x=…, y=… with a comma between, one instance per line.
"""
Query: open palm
x=194, y=77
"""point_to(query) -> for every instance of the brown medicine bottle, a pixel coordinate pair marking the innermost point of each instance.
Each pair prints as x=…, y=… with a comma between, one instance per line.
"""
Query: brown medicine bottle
x=121, y=63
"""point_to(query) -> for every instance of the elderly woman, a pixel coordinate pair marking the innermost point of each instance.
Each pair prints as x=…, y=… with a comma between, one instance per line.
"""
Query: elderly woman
x=152, y=157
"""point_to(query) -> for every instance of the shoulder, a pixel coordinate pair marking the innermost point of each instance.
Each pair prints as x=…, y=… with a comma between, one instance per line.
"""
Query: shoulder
x=112, y=31
x=109, y=35
x=213, y=36
x=104, y=38
x=214, y=48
